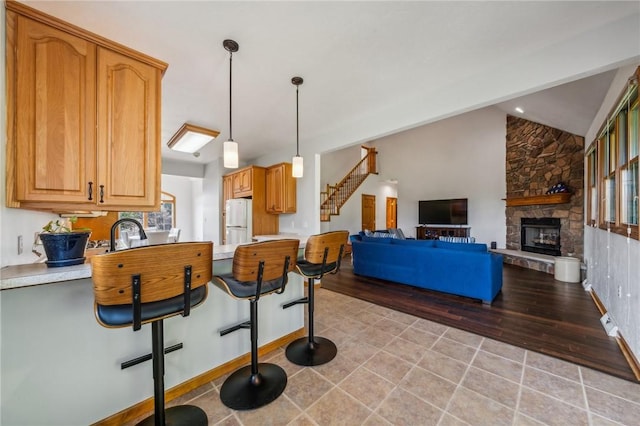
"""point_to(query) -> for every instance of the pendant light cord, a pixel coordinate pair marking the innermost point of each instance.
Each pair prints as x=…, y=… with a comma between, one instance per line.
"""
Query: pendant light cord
x=230, y=98
x=297, y=126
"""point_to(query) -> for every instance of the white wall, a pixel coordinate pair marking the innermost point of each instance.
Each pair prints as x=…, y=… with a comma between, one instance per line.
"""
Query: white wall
x=460, y=157
x=211, y=202
x=613, y=261
x=186, y=190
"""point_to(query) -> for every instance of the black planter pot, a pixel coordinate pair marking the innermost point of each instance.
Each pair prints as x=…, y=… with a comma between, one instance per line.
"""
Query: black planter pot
x=65, y=249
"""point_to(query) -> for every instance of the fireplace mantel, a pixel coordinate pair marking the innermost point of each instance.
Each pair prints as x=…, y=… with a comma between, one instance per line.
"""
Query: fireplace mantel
x=534, y=200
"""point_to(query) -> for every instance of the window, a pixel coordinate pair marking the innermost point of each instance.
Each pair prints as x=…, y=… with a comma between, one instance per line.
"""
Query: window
x=161, y=220
x=608, y=144
x=592, y=188
x=613, y=168
x=629, y=166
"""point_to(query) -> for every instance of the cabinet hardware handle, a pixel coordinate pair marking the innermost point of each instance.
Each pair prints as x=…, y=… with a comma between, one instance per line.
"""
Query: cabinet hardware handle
x=90, y=191
x=102, y=193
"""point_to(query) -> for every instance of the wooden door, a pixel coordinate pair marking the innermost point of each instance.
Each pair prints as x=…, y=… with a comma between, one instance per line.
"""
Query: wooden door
x=392, y=212
x=55, y=115
x=368, y=212
x=128, y=100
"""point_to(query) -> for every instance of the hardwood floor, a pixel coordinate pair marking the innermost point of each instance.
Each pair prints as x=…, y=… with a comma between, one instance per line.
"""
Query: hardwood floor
x=533, y=311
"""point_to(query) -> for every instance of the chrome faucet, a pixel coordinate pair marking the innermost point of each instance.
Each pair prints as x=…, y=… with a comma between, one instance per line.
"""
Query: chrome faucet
x=143, y=235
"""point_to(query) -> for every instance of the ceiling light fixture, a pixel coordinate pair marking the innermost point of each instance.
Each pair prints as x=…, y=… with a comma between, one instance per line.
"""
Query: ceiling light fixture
x=520, y=110
x=190, y=138
x=297, y=162
x=230, y=148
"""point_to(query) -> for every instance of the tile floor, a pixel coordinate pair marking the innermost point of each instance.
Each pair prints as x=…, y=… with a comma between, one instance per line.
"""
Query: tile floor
x=397, y=369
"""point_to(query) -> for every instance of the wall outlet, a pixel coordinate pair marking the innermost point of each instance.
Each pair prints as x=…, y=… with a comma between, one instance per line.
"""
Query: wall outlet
x=20, y=245
x=609, y=326
x=619, y=291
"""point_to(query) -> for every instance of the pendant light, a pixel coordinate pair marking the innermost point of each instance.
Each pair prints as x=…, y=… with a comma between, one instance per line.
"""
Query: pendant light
x=230, y=147
x=297, y=162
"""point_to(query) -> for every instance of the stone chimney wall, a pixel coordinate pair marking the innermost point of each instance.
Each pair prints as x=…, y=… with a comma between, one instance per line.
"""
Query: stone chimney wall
x=539, y=157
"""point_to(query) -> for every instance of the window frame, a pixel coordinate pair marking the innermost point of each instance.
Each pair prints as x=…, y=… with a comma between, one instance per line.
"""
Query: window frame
x=611, y=154
x=166, y=198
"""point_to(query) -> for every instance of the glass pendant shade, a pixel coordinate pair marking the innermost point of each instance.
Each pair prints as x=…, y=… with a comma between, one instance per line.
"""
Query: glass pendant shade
x=297, y=166
x=230, y=154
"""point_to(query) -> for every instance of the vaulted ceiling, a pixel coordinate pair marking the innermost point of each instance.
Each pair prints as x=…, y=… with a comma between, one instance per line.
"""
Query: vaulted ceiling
x=370, y=68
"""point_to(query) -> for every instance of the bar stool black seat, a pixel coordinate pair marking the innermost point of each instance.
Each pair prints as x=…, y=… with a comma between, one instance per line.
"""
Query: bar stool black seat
x=146, y=285
x=322, y=255
x=258, y=269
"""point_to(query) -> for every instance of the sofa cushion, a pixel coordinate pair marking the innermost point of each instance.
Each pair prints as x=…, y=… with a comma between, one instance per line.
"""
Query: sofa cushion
x=461, y=246
x=397, y=233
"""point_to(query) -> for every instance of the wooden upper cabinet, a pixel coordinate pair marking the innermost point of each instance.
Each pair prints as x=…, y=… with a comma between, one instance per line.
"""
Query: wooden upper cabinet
x=281, y=189
x=128, y=150
x=55, y=114
x=83, y=114
x=227, y=189
x=243, y=183
x=227, y=194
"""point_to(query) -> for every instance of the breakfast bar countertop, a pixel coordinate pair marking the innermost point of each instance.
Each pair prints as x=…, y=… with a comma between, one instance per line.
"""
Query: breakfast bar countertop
x=17, y=276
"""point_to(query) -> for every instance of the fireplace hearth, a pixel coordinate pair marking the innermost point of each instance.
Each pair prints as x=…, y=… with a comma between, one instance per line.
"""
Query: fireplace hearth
x=540, y=235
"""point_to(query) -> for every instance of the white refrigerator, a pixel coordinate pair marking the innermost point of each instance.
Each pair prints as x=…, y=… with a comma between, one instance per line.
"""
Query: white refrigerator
x=238, y=221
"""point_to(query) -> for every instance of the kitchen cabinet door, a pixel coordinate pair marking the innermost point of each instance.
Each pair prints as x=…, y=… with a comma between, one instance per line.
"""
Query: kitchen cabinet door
x=243, y=183
x=281, y=189
x=227, y=194
x=128, y=102
x=54, y=140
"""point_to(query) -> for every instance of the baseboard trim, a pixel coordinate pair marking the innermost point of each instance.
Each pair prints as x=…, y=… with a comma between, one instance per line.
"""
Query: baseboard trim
x=138, y=410
x=628, y=354
x=598, y=302
x=622, y=343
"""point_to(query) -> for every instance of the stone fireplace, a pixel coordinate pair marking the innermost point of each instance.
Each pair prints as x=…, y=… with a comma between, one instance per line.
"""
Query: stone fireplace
x=537, y=158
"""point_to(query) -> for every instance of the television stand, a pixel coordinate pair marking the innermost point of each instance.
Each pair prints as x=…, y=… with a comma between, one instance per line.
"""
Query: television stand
x=433, y=232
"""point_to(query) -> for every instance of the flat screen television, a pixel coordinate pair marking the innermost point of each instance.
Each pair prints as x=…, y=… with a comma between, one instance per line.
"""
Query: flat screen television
x=443, y=212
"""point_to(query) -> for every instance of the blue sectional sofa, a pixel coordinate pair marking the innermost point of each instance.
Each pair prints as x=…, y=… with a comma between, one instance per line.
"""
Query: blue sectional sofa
x=464, y=269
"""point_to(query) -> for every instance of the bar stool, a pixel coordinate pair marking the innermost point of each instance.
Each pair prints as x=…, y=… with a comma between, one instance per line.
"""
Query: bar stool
x=322, y=255
x=146, y=285
x=258, y=269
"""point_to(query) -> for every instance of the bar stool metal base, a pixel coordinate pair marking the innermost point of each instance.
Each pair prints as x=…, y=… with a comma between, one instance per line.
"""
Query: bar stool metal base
x=181, y=415
x=303, y=352
x=241, y=392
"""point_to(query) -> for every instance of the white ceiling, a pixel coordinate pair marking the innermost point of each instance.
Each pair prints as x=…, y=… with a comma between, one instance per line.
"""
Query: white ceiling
x=370, y=68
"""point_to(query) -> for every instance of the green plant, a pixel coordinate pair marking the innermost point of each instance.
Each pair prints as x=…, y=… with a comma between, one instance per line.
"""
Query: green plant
x=62, y=226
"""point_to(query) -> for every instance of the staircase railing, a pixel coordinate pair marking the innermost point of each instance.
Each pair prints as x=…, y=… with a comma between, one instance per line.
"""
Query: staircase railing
x=337, y=195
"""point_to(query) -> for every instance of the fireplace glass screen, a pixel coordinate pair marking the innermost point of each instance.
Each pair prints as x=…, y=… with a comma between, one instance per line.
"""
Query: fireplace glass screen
x=540, y=235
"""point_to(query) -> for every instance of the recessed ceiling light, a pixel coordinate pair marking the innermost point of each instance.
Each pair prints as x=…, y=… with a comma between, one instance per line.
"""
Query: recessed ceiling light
x=520, y=110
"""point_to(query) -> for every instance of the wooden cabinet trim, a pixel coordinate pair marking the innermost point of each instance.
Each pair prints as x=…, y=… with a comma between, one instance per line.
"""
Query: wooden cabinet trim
x=52, y=21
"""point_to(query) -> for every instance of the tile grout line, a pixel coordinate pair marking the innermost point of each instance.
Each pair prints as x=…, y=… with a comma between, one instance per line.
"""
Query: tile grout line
x=459, y=384
x=521, y=385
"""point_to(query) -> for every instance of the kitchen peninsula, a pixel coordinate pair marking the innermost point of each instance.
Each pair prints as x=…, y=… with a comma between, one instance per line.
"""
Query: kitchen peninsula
x=56, y=357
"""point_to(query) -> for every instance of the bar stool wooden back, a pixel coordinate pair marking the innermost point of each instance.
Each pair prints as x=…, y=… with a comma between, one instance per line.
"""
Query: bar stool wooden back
x=322, y=255
x=258, y=269
x=146, y=285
